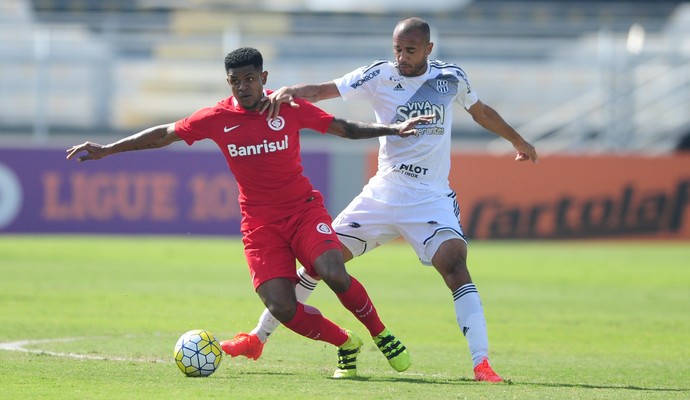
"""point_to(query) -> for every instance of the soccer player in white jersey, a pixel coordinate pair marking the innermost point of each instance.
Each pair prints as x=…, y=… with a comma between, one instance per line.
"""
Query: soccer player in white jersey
x=410, y=195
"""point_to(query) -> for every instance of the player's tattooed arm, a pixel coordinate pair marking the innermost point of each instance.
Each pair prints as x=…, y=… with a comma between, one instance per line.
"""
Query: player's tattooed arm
x=151, y=138
x=364, y=130
x=310, y=92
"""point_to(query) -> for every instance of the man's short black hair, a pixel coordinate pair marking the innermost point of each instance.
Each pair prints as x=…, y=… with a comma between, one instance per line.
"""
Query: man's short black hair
x=242, y=57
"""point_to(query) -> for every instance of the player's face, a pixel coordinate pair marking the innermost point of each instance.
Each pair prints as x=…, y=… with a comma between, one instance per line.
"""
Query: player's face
x=411, y=50
x=247, y=84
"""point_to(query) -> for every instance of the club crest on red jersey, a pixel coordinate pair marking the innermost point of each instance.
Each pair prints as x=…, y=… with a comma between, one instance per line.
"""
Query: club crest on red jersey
x=276, y=124
x=324, y=228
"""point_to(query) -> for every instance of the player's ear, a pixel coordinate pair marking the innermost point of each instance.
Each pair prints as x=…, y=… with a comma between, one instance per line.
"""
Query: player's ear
x=429, y=47
x=264, y=77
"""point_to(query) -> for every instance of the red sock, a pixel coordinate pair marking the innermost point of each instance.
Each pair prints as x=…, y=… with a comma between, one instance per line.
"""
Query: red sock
x=358, y=302
x=309, y=323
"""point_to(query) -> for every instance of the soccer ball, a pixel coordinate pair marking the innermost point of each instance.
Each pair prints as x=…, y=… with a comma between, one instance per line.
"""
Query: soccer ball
x=197, y=353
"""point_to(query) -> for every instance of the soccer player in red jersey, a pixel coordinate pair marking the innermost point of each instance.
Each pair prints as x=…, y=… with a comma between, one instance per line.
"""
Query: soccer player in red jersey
x=283, y=217
x=412, y=175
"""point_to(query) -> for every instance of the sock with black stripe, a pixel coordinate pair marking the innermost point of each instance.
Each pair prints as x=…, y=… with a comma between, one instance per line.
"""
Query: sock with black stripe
x=470, y=316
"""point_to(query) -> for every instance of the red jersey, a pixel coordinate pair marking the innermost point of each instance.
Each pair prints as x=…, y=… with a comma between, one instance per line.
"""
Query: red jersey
x=263, y=155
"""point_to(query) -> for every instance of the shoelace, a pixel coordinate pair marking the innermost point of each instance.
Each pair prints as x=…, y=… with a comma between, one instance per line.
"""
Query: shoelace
x=347, y=358
x=390, y=346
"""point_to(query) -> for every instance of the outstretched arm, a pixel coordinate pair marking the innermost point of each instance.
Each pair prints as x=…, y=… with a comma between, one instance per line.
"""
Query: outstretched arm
x=287, y=94
x=490, y=120
x=364, y=130
x=151, y=138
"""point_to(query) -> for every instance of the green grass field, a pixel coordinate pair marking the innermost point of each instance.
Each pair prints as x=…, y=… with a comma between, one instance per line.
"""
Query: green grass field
x=97, y=318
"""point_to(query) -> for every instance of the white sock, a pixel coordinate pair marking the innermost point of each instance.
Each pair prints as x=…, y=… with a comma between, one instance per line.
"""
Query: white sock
x=268, y=323
x=470, y=316
x=306, y=285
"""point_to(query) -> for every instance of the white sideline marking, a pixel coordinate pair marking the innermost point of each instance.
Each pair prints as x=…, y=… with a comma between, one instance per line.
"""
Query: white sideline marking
x=20, y=346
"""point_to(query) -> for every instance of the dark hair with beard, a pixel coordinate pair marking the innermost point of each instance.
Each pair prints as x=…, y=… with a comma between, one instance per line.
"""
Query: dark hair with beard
x=242, y=57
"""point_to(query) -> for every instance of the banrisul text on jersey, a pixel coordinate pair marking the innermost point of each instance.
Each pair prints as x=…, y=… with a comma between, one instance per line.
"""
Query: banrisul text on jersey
x=261, y=148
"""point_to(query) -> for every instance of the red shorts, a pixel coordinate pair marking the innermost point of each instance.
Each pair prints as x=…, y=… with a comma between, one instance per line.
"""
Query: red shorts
x=271, y=249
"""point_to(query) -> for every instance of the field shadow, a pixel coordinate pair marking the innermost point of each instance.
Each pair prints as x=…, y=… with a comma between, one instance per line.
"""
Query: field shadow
x=614, y=387
x=430, y=380
x=413, y=380
x=468, y=381
x=359, y=378
x=269, y=373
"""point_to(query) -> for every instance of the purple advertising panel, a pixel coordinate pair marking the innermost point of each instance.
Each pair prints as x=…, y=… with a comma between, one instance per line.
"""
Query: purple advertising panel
x=166, y=191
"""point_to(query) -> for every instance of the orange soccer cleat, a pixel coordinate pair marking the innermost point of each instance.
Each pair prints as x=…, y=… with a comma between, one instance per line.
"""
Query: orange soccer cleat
x=484, y=372
x=243, y=344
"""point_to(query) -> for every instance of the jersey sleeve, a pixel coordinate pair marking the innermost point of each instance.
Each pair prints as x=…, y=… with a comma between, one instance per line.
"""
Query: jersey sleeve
x=312, y=117
x=361, y=83
x=466, y=95
x=194, y=127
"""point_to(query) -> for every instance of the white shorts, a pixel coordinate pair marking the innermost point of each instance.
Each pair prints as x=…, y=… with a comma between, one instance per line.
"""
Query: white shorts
x=367, y=223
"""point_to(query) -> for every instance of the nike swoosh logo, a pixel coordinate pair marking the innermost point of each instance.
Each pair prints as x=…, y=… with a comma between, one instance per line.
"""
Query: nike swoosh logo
x=226, y=129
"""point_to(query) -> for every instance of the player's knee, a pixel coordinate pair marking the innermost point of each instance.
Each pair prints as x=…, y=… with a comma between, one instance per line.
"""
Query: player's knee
x=337, y=278
x=453, y=269
x=283, y=311
x=331, y=268
x=457, y=275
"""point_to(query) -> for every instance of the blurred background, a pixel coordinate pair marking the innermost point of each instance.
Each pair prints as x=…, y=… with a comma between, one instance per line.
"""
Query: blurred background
x=601, y=88
x=574, y=75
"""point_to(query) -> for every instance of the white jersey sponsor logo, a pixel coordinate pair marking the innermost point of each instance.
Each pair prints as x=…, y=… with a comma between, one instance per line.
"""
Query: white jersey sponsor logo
x=261, y=148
